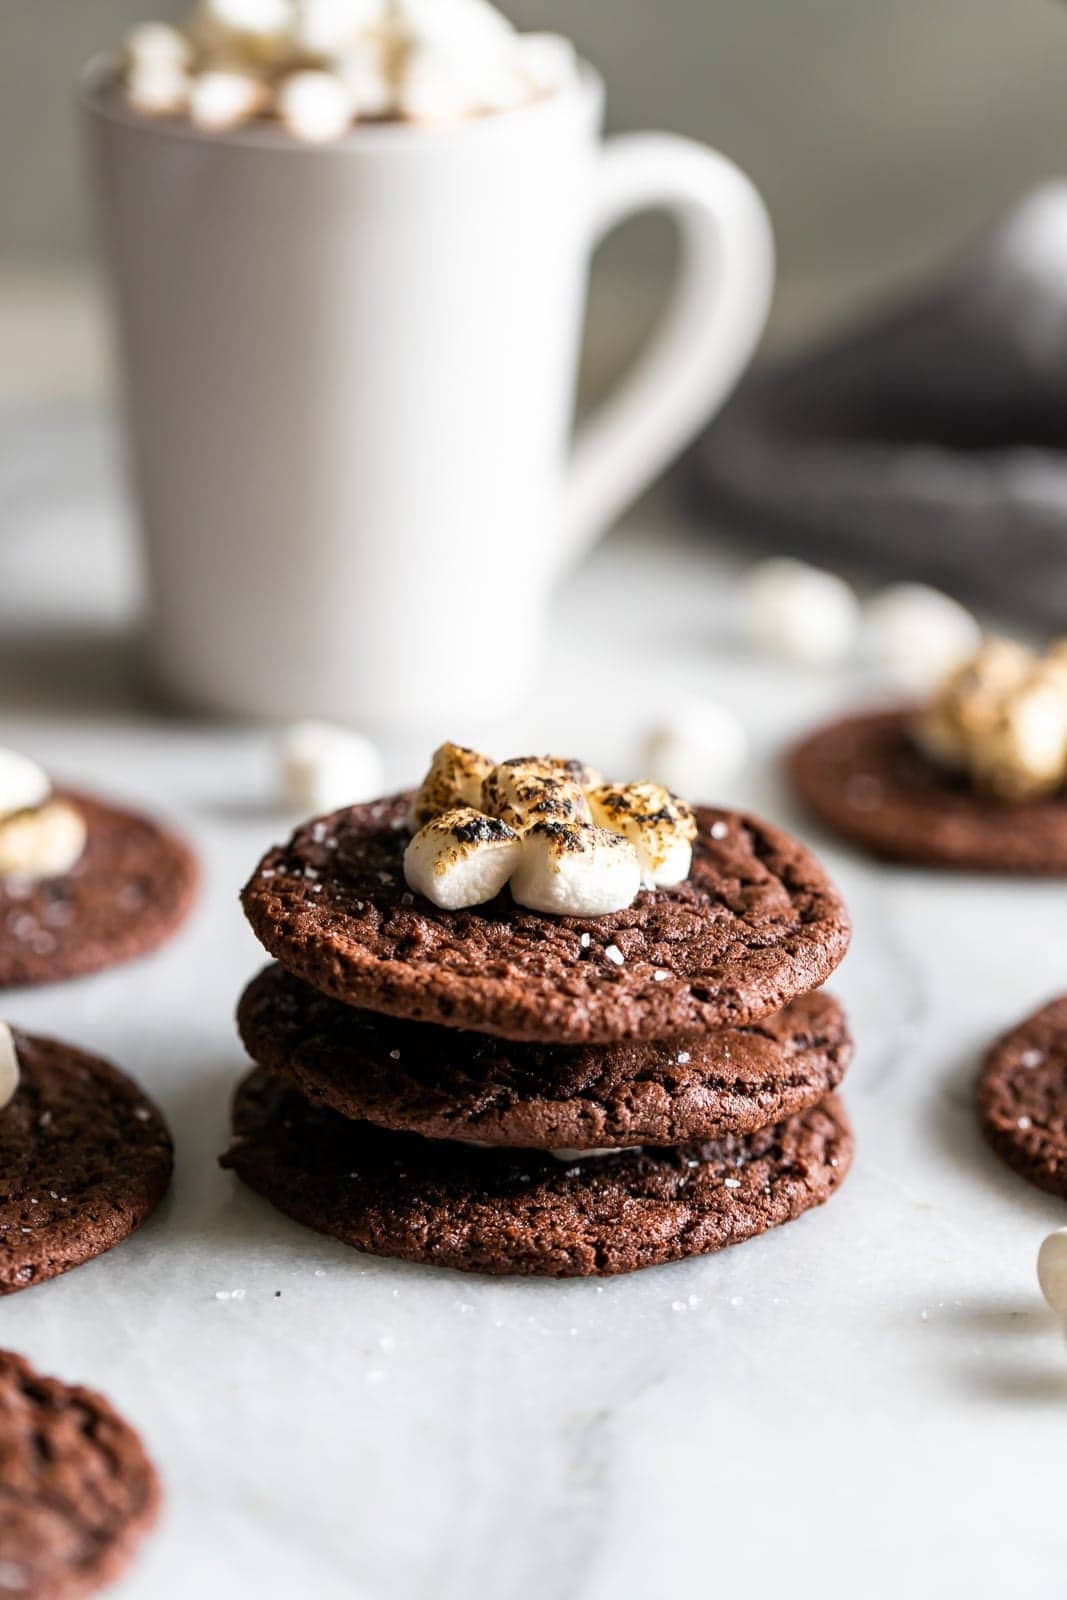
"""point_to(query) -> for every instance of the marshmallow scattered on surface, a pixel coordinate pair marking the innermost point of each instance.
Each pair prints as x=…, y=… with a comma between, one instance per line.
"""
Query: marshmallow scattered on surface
x=917, y=635
x=1052, y=1271
x=44, y=843
x=461, y=858
x=698, y=752
x=323, y=767
x=455, y=779
x=9, y=1066
x=221, y=99
x=660, y=827
x=573, y=870
x=523, y=792
x=314, y=106
x=799, y=613
x=23, y=784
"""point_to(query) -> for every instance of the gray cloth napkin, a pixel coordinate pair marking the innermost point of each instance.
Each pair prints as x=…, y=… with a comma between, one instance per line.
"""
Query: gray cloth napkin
x=929, y=441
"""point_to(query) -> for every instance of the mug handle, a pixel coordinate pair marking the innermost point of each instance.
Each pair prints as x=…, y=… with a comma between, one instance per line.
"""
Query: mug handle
x=707, y=334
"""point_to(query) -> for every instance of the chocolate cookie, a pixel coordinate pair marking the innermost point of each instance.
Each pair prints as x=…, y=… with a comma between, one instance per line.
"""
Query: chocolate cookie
x=1022, y=1098
x=445, y=1083
x=76, y=1488
x=867, y=781
x=85, y=1157
x=507, y=1211
x=756, y=923
x=132, y=887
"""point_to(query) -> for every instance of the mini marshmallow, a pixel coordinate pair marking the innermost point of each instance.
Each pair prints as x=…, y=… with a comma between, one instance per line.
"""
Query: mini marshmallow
x=44, y=843
x=457, y=26
x=151, y=42
x=575, y=871
x=325, y=28
x=547, y=61
x=257, y=19
x=23, y=784
x=454, y=780
x=524, y=791
x=314, y=106
x=220, y=99
x=157, y=88
x=1052, y=1271
x=699, y=751
x=9, y=1066
x=918, y=635
x=461, y=858
x=432, y=88
x=323, y=767
x=799, y=613
x=660, y=827
x=571, y=1156
x=364, y=70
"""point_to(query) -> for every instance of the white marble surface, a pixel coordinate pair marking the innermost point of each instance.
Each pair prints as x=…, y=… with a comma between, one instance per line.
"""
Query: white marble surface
x=871, y=1401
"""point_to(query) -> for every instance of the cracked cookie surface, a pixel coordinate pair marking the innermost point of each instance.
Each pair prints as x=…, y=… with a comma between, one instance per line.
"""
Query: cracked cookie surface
x=85, y=1157
x=520, y=1211
x=453, y=1084
x=77, y=1490
x=756, y=923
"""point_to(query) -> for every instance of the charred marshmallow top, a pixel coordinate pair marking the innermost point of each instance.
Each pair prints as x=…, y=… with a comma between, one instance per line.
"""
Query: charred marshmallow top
x=568, y=843
x=40, y=837
x=1001, y=719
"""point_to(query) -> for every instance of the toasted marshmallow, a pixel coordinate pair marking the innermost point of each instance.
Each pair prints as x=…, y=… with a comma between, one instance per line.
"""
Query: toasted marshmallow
x=524, y=791
x=314, y=106
x=9, y=1066
x=800, y=613
x=220, y=99
x=454, y=780
x=44, y=843
x=325, y=28
x=1052, y=1271
x=575, y=870
x=461, y=858
x=23, y=784
x=547, y=61
x=323, y=767
x=157, y=88
x=151, y=42
x=918, y=635
x=699, y=751
x=969, y=703
x=660, y=827
x=1024, y=754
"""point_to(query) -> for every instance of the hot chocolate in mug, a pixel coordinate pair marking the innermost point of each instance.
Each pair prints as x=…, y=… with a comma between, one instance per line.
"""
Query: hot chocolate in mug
x=349, y=380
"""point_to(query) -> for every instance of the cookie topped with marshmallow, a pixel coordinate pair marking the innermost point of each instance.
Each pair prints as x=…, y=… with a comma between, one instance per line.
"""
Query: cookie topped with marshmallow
x=83, y=883
x=532, y=899
x=974, y=777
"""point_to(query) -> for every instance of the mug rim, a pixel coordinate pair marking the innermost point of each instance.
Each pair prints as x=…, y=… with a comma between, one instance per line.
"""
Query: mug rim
x=96, y=80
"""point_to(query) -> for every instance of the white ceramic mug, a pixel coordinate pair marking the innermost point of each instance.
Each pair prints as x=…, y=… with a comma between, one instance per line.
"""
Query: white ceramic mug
x=349, y=377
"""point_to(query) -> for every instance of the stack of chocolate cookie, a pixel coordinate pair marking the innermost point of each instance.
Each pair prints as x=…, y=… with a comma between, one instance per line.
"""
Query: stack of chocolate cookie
x=504, y=1091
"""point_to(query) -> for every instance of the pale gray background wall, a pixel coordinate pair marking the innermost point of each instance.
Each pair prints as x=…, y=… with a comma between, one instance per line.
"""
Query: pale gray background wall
x=881, y=131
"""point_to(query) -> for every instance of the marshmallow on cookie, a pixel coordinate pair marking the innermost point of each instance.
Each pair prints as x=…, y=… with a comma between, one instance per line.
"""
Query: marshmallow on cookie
x=9, y=1066
x=566, y=842
x=1001, y=720
x=40, y=836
